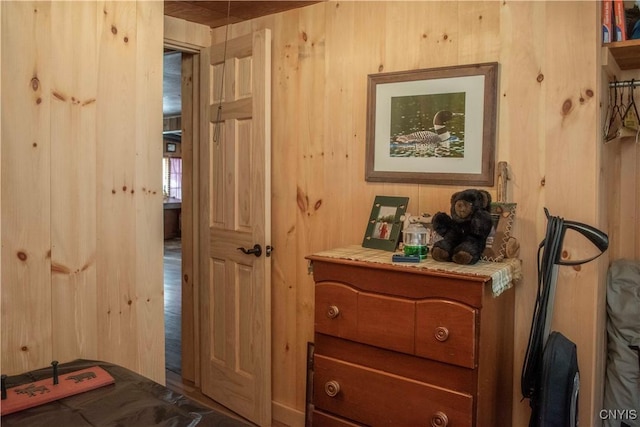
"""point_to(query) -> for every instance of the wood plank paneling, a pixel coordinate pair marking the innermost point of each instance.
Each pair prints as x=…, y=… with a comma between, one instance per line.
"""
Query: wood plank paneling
x=339, y=144
x=309, y=177
x=26, y=198
x=81, y=206
x=116, y=154
x=479, y=32
x=73, y=201
x=184, y=35
x=571, y=150
x=189, y=209
x=148, y=213
x=286, y=345
x=521, y=130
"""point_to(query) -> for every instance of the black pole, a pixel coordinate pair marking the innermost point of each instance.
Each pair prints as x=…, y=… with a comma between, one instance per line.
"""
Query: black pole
x=55, y=371
x=4, y=387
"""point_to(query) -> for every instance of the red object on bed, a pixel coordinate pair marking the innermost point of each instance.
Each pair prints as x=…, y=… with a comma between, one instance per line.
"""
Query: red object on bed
x=131, y=401
x=44, y=391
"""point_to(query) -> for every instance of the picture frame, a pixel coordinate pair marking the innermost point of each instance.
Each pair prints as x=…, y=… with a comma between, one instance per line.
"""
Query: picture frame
x=171, y=147
x=385, y=223
x=502, y=217
x=408, y=141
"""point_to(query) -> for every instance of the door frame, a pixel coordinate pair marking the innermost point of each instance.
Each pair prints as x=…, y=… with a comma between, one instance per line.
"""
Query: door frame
x=194, y=39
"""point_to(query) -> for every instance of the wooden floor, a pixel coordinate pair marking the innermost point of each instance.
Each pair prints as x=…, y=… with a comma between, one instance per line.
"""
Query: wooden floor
x=172, y=322
x=186, y=388
x=173, y=304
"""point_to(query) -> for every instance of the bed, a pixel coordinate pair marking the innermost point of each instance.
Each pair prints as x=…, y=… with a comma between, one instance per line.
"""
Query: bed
x=132, y=400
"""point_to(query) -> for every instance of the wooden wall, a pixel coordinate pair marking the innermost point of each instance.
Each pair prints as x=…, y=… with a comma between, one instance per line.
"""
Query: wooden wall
x=79, y=247
x=81, y=184
x=548, y=132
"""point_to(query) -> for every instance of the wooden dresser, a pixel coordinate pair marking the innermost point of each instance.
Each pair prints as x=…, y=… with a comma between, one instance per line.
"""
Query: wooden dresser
x=406, y=346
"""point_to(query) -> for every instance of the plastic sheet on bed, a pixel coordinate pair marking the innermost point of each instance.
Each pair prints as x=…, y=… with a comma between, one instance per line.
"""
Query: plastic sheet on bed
x=132, y=401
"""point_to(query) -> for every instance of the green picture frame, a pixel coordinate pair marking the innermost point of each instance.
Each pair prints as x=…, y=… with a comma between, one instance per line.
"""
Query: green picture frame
x=385, y=223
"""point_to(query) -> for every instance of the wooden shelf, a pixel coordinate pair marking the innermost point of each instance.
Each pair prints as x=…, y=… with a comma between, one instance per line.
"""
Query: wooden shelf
x=626, y=53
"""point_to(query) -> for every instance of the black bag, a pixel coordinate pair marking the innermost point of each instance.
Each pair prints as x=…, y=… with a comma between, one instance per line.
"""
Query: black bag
x=557, y=404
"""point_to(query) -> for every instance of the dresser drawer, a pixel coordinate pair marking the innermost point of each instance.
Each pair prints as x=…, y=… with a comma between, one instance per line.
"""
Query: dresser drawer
x=446, y=331
x=322, y=419
x=374, y=397
x=373, y=319
x=336, y=310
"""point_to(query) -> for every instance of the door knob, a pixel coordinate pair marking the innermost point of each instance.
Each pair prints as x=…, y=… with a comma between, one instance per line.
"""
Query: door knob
x=256, y=250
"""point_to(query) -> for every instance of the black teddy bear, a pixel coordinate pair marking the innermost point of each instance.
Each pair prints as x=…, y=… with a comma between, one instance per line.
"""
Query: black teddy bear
x=464, y=233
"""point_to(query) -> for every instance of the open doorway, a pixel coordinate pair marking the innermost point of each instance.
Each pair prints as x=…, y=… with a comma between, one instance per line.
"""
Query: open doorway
x=172, y=167
x=181, y=136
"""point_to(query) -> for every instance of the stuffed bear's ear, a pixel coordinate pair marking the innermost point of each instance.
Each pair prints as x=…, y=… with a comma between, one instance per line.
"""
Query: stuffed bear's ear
x=454, y=197
x=486, y=199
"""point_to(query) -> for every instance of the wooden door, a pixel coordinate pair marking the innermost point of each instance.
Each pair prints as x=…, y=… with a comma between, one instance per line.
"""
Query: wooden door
x=236, y=291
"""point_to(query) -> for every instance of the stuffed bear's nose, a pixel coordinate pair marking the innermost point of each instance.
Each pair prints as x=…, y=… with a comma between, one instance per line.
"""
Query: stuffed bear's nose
x=462, y=208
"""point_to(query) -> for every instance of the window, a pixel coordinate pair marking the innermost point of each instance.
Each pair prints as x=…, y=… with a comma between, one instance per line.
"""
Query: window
x=172, y=178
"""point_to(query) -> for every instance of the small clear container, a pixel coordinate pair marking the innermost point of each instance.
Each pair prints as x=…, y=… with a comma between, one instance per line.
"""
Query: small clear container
x=415, y=238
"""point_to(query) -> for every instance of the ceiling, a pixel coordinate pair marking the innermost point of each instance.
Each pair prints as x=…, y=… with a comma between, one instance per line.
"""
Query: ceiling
x=171, y=83
x=213, y=14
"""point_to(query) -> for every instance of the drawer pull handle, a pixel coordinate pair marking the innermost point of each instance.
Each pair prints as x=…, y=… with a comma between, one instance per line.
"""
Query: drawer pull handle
x=439, y=419
x=332, y=388
x=442, y=333
x=333, y=312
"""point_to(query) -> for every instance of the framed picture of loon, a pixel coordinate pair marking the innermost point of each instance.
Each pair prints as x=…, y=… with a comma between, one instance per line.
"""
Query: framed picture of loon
x=432, y=126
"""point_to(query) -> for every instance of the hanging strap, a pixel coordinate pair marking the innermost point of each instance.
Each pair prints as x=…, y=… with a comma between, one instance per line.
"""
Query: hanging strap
x=551, y=250
x=548, y=251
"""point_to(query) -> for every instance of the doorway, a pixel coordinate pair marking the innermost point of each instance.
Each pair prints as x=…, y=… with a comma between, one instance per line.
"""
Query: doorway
x=181, y=133
x=172, y=186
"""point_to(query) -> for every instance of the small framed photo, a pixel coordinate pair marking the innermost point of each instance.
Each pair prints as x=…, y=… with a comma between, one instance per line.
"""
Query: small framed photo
x=171, y=147
x=385, y=223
